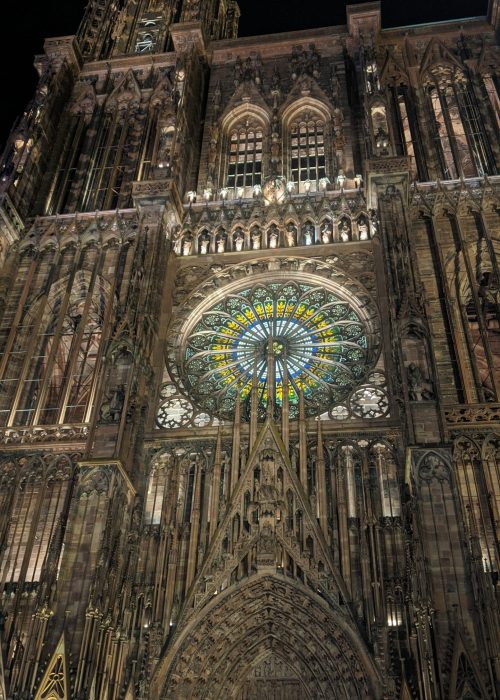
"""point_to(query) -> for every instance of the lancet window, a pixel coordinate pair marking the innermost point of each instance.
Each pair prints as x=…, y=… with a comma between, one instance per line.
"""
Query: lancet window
x=39, y=499
x=155, y=495
x=492, y=91
x=386, y=474
x=461, y=145
x=307, y=150
x=245, y=145
x=482, y=315
x=49, y=377
x=406, y=132
x=479, y=495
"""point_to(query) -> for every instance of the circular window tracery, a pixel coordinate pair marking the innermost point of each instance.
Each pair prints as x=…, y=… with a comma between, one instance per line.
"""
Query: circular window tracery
x=316, y=336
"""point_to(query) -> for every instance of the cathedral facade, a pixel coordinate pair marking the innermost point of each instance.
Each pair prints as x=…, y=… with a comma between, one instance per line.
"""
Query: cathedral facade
x=250, y=361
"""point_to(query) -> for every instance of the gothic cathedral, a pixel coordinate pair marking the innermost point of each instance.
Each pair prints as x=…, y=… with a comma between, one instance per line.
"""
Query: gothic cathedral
x=250, y=361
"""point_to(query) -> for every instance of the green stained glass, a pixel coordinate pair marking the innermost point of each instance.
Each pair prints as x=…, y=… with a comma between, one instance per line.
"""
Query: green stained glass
x=319, y=337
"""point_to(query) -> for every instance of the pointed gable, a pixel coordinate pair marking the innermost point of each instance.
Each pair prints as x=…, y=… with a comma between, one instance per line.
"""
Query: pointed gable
x=261, y=520
x=126, y=95
x=55, y=681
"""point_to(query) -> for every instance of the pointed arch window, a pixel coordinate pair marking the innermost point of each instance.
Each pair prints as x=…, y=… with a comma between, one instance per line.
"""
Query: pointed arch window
x=482, y=313
x=55, y=382
x=38, y=503
x=307, y=150
x=407, y=133
x=245, y=146
x=386, y=475
x=156, y=492
x=490, y=83
x=461, y=143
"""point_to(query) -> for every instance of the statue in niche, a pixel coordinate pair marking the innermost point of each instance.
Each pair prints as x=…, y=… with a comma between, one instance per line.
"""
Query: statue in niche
x=220, y=243
x=257, y=69
x=187, y=245
x=268, y=496
x=295, y=61
x=204, y=244
x=273, y=236
x=488, y=293
x=112, y=407
x=291, y=235
x=314, y=60
x=345, y=230
x=239, y=240
x=248, y=70
x=212, y=149
x=374, y=221
x=363, y=228
x=417, y=385
x=256, y=242
x=276, y=79
x=326, y=233
x=308, y=233
x=335, y=85
x=238, y=71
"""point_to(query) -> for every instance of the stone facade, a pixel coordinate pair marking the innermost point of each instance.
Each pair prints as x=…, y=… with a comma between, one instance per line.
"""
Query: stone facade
x=250, y=361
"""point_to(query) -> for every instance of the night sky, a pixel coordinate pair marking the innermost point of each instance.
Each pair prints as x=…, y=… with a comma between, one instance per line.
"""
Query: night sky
x=25, y=24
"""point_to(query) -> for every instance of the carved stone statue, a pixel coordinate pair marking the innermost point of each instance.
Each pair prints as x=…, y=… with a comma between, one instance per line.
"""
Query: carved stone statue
x=221, y=243
x=308, y=233
x=290, y=235
x=256, y=239
x=239, y=240
x=417, y=385
x=335, y=85
x=314, y=60
x=204, y=244
x=344, y=231
x=273, y=237
x=363, y=229
x=295, y=61
x=238, y=71
x=326, y=233
x=374, y=221
x=112, y=408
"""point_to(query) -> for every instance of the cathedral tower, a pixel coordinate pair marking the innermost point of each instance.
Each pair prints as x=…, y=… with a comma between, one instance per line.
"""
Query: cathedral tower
x=250, y=361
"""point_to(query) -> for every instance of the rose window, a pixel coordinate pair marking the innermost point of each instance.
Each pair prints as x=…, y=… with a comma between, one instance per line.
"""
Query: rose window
x=318, y=341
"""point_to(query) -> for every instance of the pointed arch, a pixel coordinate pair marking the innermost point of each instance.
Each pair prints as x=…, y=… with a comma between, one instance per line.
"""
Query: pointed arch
x=55, y=382
x=244, y=135
x=478, y=500
x=267, y=614
x=39, y=500
x=306, y=132
x=457, y=127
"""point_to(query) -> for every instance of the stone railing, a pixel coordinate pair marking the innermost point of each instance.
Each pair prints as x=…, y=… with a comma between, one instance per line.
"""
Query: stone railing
x=472, y=414
x=31, y=435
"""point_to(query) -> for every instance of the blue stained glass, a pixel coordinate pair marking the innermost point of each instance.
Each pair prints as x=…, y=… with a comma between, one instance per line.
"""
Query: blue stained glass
x=319, y=341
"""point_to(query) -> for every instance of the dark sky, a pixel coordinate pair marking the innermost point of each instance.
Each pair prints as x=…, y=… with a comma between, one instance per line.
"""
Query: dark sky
x=25, y=24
